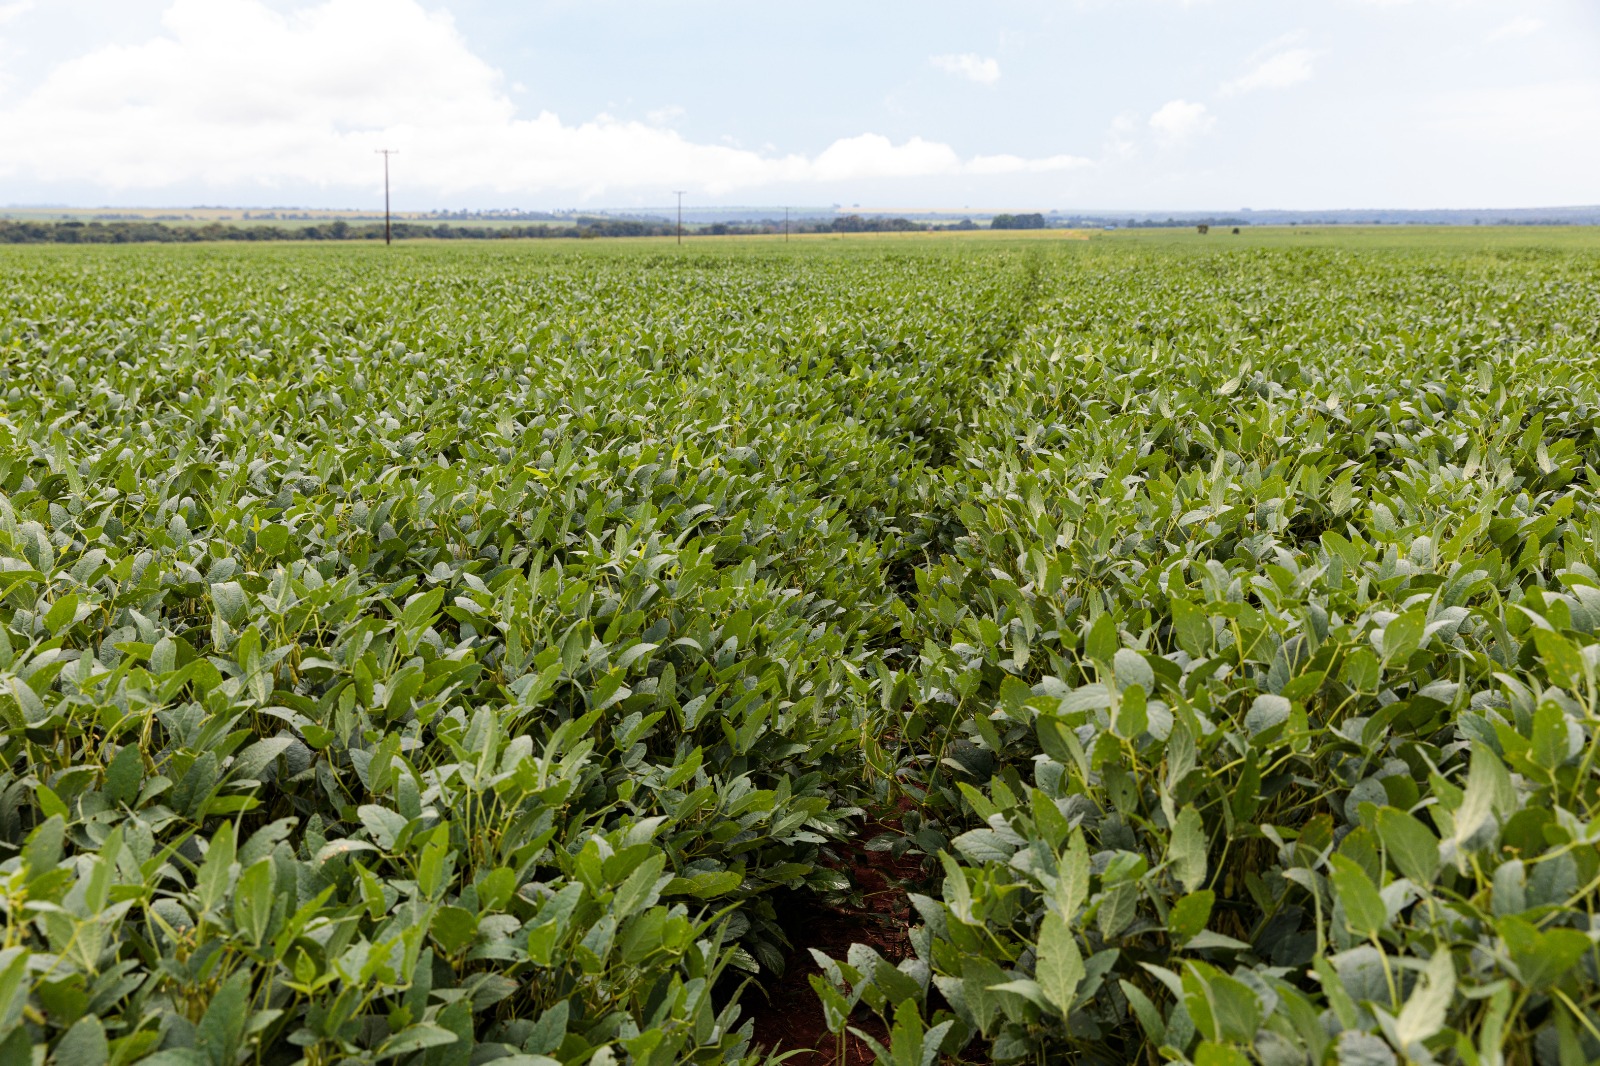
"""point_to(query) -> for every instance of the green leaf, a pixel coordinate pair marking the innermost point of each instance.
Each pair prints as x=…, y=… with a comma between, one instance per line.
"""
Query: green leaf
x=196, y=786
x=1186, y=851
x=252, y=902
x=1072, y=882
x=1562, y=661
x=228, y=597
x=50, y=804
x=124, y=774
x=1364, y=912
x=549, y=1029
x=1424, y=1013
x=1190, y=914
x=634, y=654
x=273, y=540
x=1116, y=908
x=1403, y=635
x=28, y=702
x=1489, y=791
x=174, y=1056
x=1131, y=717
x=1131, y=669
x=1235, y=1007
x=1028, y=989
x=979, y=976
x=1206, y=940
x=1213, y=1054
x=1549, y=749
x=1540, y=959
x=1412, y=847
x=496, y=889
x=706, y=885
x=1361, y=670
x=979, y=846
x=1266, y=712
x=1150, y=1020
x=835, y=1008
x=215, y=877
x=414, y=1038
x=84, y=1044
x=1101, y=642
x=1192, y=627
x=454, y=928
x=382, y=824
x=250, y=762
x=164, y=656
x=1060, y=965
x=221, y=1032
x=42, y=850
x=61, y=614
x=639, y=890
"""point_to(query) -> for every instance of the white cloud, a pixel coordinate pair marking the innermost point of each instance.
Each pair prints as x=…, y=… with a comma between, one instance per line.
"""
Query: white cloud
x=15, y=9
x=233, y=94
x=1282, y=41
x=1179, y=120
x=969, y=65
x=1119, y=142
x=1517, y=27
x=664, y=116
x=1289, y=67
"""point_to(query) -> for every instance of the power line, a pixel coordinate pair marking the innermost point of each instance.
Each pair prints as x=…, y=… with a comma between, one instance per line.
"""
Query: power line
x=680, y=193
x=386, y=153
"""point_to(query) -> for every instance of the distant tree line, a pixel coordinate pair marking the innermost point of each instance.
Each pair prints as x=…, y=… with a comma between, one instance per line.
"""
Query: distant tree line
x=1033, y=221
x=1180, y=223
x=863, y=224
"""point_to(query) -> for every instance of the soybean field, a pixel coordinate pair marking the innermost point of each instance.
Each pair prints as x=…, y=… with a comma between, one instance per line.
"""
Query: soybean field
x=1145, y=648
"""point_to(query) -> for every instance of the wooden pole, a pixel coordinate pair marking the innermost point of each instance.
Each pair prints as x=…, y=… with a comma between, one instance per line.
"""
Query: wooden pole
x=386, y=153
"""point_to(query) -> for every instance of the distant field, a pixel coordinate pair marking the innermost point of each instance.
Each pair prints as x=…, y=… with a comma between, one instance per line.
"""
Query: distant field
x=1357, y=238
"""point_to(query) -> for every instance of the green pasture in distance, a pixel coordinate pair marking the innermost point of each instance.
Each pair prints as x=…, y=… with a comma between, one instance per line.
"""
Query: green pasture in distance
x=1441, y=239
x=459, y=653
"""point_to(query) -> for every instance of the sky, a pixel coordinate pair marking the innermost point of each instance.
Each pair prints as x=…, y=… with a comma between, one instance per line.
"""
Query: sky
x=1069, y=105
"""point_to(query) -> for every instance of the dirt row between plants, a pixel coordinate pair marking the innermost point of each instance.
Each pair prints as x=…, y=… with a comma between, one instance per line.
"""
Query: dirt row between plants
x=787, y=1013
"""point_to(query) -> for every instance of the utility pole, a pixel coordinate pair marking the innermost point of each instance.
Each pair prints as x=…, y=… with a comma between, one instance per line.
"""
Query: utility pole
x=386, y=153
x=785, y=225
x=680, y=193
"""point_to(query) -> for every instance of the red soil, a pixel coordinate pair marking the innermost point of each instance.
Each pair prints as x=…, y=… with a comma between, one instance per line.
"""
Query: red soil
x=789, y=1018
